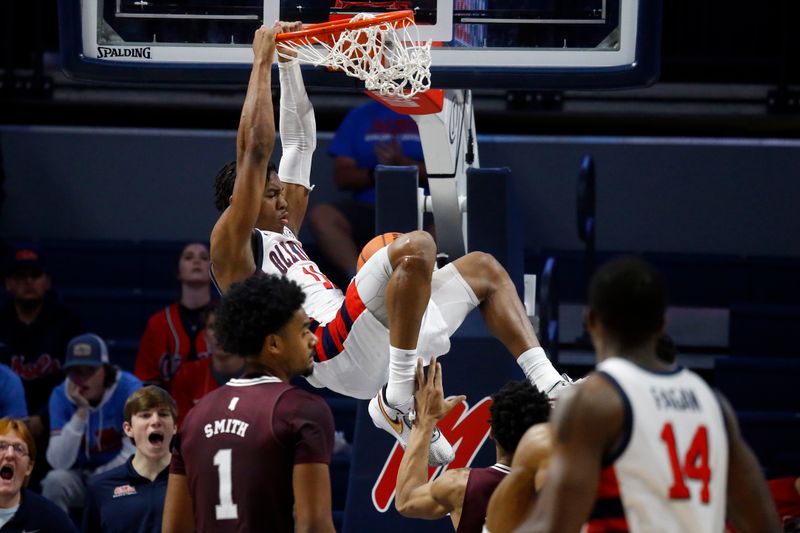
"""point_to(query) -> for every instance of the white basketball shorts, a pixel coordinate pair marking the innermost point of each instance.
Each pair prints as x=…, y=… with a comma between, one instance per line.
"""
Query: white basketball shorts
x=353, y=348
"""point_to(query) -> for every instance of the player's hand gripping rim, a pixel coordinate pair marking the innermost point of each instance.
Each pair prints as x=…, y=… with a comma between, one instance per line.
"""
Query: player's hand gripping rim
x=285, y=53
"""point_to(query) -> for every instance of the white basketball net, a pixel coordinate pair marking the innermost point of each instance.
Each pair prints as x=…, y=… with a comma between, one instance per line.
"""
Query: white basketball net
x=389, y=60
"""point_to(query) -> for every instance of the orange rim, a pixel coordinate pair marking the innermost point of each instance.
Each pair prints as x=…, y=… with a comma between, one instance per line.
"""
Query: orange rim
x=337, y=26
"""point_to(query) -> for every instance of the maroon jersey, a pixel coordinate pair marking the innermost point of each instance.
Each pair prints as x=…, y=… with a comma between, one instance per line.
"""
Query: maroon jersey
x=480, y=486
x=237, y=449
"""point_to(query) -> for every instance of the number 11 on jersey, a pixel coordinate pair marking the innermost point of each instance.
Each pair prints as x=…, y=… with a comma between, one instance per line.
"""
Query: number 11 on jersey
x=318, y=276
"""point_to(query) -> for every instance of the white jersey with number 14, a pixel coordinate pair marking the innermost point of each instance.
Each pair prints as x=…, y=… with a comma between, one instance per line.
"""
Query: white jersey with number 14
x=672, y=472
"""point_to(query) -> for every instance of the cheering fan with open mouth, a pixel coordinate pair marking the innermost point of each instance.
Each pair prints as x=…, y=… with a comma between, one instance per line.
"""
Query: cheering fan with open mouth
x=136, y=488
x=21, y=509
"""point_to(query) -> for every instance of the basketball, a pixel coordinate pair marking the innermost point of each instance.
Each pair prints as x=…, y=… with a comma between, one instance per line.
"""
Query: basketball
x=375, y=244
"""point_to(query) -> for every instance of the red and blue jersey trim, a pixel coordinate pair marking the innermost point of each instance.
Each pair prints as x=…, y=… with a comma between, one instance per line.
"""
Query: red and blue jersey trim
x=608, y=514
x=331, y=336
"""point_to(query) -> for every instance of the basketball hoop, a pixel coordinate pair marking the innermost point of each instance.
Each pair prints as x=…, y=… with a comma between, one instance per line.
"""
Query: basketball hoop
x=383, y=50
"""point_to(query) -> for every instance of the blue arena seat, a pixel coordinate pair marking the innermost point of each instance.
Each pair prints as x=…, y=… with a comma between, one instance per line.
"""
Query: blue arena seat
x=338, y=520
x=344, y=414
x=773, y=436
x=772, y=280
x=702, y=280
x=131, y=264
x=340, y=476
x=122, y=352
x=759, y=383
x=115, y=312
x=764, y=329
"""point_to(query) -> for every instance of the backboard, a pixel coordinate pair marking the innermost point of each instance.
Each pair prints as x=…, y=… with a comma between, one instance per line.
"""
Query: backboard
x=511, y=44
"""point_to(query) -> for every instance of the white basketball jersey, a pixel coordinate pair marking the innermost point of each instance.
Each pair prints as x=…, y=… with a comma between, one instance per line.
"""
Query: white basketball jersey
x=282, y=254
x=672, y=472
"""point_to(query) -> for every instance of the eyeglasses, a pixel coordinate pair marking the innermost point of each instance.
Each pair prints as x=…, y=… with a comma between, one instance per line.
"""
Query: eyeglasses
x=19, y=449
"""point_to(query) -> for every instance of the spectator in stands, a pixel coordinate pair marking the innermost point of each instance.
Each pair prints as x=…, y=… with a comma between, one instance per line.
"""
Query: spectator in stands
x=174, y=334
x=197, y=378
x=86, y=416
x=22, y=509
x=786, y=495
x=130, y=497
x=12, y=395
x=371, y=134
x=34, y=331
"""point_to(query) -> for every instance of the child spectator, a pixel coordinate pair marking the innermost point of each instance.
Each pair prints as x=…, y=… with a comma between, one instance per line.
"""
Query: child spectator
x=130, y=497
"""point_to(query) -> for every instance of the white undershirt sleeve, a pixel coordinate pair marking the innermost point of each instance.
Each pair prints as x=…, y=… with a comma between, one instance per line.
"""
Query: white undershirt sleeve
x=297, y=126
x=62, y=450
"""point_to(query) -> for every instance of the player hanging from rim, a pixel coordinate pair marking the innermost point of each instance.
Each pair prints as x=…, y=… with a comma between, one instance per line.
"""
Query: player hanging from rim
x=463, y=493
x=643, y=445
x=396, y=304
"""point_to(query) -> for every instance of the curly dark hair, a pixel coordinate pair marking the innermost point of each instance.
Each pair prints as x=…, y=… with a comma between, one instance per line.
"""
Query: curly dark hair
x=629, y=298
x=224, y=180
x=515, y=408
x=259, y=306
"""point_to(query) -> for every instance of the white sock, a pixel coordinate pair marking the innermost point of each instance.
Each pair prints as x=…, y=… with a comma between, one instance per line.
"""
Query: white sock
x=538, y=369
x=402, y=370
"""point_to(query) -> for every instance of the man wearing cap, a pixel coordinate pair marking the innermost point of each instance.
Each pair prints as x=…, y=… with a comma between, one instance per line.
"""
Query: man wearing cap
x=34, y=330
x=86, y=416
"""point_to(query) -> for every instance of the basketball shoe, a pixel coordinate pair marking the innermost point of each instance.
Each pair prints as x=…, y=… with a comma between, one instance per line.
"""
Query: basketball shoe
x=397, y=422
x=561, y=387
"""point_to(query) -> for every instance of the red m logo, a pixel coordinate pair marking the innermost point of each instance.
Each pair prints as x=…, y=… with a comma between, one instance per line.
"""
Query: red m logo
x=466, y=429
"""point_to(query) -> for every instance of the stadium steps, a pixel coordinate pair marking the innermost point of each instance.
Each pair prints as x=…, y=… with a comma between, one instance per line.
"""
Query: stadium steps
x=763, y=392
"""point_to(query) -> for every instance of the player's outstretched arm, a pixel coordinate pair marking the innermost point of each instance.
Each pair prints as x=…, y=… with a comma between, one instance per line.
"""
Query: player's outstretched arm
x=586, y=424
x=298, y=134
x=178, y=514
x=311, y=483
x=750, y=506
x=416, y=498
x=230, y=239
x=514, y=497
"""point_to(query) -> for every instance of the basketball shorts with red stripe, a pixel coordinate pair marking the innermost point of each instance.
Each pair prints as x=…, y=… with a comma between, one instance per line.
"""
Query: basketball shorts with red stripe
x=353, y=348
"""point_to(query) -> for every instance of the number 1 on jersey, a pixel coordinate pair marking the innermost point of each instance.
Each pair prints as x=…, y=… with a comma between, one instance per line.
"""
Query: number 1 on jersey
x=226, y=510
x=697, y=452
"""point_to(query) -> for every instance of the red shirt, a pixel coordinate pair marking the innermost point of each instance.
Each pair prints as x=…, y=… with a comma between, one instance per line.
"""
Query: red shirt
x=165, y=345
x=608, y=514
x=192, y=381
x=238, y=447
x=787, y=499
